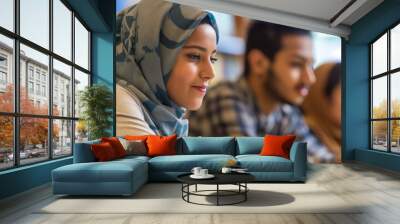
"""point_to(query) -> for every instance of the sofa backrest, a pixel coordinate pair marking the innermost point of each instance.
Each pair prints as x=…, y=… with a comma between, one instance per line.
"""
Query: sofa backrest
x=249, y=145
x=83, y=152
x=206, y=145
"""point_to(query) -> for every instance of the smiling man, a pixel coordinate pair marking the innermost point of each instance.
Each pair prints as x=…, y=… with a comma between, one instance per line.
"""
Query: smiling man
x=277, y=76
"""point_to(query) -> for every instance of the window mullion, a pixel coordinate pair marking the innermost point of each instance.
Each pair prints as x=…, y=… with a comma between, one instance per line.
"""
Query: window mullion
x=371, y=89
x=16, y=84
x=73, y=83
x=50, y=81
x=389, y=106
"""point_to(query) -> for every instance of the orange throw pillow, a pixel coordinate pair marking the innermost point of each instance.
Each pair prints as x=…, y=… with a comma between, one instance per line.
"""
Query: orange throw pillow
x=103, y=152
x=161, y=145
x=116, y=145
x=277, y=145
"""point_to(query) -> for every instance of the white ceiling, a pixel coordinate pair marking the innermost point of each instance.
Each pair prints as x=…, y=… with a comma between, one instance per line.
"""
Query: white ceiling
x=321, y=9
x=314, y=15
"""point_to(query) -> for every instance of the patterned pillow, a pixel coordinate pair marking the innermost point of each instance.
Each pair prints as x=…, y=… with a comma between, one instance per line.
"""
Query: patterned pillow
x=134, y=147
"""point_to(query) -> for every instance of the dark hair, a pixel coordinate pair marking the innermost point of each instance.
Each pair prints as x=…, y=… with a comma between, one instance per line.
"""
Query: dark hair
x=267, y=37
x=333, y=79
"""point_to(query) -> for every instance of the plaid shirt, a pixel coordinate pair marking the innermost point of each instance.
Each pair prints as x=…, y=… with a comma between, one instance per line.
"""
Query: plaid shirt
x=229, y=109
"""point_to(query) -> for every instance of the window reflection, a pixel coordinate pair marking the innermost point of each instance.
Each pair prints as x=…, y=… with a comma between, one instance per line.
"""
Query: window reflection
x=379, y=135
x=7, y=14
x=395, y=95
x=32, y=60
x=379, y=98
x=62, y=89
x=81, y=81
x=395, y=47
x=34, y=21
x=6, y=74
x=62, y=138
x=6, y=142
x=62, y=29
x=395, y=138
x=81, y=45
x=33, y=140
x=379, y=56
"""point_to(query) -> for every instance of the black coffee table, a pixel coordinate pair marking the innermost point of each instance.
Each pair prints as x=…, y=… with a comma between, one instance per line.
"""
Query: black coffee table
x=238, y=179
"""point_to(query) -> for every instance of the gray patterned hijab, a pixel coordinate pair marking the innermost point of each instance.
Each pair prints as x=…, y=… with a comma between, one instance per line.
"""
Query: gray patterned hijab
x=149, y=36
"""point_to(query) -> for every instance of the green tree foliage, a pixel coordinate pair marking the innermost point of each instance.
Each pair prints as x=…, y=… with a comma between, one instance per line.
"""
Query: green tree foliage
x=96, y=102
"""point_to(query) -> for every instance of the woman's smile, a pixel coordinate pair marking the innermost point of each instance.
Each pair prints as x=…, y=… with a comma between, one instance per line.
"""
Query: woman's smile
x=201, y=88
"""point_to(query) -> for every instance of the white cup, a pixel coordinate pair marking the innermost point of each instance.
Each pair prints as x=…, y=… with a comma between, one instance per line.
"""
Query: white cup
x=226, y=170
x=196, y=171
x=203, y=172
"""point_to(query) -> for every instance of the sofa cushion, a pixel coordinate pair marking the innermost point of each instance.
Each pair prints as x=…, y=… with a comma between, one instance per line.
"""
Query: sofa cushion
x=277, y=145
x=103, y=152
x=131, y=158
x=257, y=163
x=185, y=163
x=116, y=170
x=116, y=145
x=161, y=145
x=134, y=147
x=83, y=153
x=207, y=145
x=249, y=145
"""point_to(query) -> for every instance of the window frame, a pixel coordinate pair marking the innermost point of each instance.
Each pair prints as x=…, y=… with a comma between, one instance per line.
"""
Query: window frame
x=16, y=115
x=388, y=74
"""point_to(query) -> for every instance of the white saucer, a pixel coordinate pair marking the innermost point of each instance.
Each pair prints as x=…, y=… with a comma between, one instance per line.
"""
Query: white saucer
x=208, y=176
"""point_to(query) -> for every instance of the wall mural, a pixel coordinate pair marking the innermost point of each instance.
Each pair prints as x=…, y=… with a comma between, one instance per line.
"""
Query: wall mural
x=182, y=70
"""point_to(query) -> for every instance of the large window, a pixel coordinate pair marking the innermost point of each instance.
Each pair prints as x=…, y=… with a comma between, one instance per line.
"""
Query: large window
x=44, y=64
x=385, y=91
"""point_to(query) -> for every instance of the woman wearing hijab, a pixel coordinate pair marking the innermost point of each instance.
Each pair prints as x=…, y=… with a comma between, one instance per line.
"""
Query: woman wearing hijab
x=322, y=107
x=165, y=53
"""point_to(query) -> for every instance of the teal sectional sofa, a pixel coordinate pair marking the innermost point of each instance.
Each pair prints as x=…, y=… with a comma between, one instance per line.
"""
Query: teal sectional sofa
x=125, y=176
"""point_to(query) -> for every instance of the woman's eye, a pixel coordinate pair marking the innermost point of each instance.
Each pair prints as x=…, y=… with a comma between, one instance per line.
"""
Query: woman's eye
x=213, y=60
x=194, y=57
x=296, y=64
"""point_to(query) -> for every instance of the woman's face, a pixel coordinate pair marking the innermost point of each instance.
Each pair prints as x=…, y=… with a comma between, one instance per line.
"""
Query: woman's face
x=193, y=68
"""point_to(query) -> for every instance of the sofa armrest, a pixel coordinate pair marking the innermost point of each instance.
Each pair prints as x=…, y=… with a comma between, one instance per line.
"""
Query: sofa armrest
x=83, y=152
x=298, y=155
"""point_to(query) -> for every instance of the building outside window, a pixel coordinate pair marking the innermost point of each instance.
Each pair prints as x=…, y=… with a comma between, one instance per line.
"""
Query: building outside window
x=30, y=87
x=30, y=72
x=43, y=90
x=3, y=72
x=3, y=78
x=38, y=89
x=44, y=77
x=3, y=60
x=37, y=75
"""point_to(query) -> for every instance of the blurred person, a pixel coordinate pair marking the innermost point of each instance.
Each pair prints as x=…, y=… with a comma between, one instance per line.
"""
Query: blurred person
x=277, y=77
x=322, y=107
x=165, y=56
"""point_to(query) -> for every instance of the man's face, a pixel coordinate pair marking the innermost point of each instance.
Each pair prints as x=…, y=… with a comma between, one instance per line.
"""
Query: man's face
x=290, y=74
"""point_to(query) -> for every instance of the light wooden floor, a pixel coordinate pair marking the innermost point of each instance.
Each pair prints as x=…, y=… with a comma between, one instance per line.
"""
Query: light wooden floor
x=379, y=189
